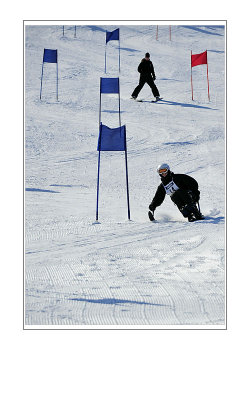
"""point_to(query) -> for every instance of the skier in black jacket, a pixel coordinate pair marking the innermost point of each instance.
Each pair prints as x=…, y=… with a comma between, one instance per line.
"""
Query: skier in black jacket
x=183, y=191
x=147, y=75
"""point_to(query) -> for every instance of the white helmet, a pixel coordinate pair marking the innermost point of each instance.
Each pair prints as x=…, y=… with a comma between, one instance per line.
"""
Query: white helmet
x=163, y=168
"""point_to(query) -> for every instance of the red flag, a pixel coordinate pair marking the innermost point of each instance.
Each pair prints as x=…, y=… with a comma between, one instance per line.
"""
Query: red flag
x=197, y=59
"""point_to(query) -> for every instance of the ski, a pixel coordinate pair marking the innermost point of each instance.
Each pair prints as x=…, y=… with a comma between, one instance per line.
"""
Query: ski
x=146, y=101
x=155, y=101
x=152, y=218
x=196, y=219
x=139, y=100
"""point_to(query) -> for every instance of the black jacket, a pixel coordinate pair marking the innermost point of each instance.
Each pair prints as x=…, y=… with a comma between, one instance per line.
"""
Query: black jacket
x=146, y=68
x=185, y=183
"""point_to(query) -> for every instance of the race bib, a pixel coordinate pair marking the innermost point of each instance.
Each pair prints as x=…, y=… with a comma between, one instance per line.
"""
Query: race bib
x=170, y=188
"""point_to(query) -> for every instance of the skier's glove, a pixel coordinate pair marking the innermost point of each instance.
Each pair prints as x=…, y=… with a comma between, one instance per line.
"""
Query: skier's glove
x=154, y=78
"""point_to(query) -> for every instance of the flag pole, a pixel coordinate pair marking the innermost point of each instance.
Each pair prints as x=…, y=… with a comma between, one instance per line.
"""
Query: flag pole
x=105, y=57
x=41, y=83
x=100, y=103
x=98, y=175
x=105, y=52
x=75, y=32
x=126, y=165
x=126, y=161
x=99, y=156
x=156, y=32
x=208, y=82
x=119, y=102
x=192, y=78
x=57, y=78
x=119, y=54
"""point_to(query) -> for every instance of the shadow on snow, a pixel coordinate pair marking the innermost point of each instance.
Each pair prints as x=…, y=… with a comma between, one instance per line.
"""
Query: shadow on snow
x=178, y=143
x=113, y=111
x=128, y=49
x=115, y=301
x=198, y=29
x=174, y=103
x=95, y=28
x=207, y=220
x=214, y=220
x=40, y=190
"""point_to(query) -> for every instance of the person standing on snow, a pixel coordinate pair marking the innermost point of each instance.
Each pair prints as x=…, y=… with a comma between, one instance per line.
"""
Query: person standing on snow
x=183, y=191
x=147, y=75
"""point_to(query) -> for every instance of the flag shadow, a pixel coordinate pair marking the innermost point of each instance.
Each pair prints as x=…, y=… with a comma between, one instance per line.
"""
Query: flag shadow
x=128, y=49
x=40, y=190
x=115, y=301
x=113, y=111
x=205, y=31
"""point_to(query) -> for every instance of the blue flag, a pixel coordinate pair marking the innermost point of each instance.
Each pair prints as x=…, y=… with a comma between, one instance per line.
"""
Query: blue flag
x=112, y=35
x=112, y=139
x=50, y=56
x=109, y=85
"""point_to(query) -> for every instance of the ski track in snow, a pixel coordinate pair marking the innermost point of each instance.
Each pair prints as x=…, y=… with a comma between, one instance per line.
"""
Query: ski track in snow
x=119, y=272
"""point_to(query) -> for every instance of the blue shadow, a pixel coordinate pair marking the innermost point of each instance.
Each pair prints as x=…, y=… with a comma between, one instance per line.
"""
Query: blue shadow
x=213, y=220
x=128, y=49
x=69, y=186
x=207, y=32
x=62, y=185
x=169, y=79
x=177, y=143
x=40, y=190
x=116, y=302
x=207, y=220
x=174, y=103
x=113, y=112
x=95, y=28
x=217, y=51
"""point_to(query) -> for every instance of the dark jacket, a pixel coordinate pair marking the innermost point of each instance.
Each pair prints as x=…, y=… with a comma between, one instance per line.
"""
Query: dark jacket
x=187, y=192
x=146, y=68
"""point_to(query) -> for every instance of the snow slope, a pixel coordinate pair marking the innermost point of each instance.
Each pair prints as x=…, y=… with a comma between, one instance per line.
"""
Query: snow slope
x=121, y=273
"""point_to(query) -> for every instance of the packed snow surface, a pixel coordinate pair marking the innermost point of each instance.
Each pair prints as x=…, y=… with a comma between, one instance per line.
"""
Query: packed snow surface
x=118, y=272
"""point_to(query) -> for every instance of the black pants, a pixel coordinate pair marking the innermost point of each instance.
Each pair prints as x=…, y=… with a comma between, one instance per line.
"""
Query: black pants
x=185, y=202
x=150, y=82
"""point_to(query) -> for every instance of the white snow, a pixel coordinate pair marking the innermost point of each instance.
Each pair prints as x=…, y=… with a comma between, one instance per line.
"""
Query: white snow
x=121, y=273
